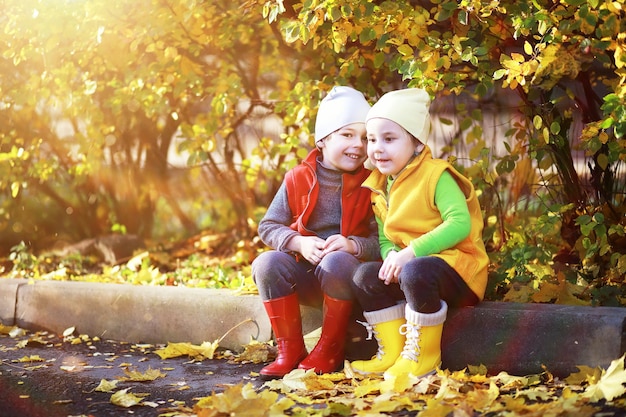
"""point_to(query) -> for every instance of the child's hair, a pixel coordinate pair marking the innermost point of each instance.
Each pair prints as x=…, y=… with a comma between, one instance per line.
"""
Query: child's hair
x=342, y=106
x=408, y=108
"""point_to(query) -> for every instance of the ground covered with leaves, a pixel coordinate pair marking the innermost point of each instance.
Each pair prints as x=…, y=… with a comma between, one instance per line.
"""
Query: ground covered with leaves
x=60, y=375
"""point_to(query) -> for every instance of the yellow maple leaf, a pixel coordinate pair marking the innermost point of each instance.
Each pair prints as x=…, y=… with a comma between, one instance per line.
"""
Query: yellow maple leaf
x=482, y=399
x=5, y=329
x=12, y=331
x=436, y=408
x=547, y=292
x=517, y=404
x=366, y=387
x=305, y=399
x=106, y=386
x=392, y=402
x=586, y=374
x=303, y=380
x=149, y=375
x=510, y=381
x=255, y=352
x=611, y=382
x=311, y=338
x=568, y=293
x=173, y=350
x=398, y=385
x=126, y=399
x=519, y=294
x=241, y=400
x=31, y=358
x=535, y=394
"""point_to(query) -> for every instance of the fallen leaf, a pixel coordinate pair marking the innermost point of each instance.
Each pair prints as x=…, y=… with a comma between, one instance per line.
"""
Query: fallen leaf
x=149, y=375
x=61, y=402
x=586, y=374
x=125, y=399
x=31, y=358
x=107, y=386
x=69, y=331
x=12, y=331
x=611, y=382
x=242, y=400
x=256, y=352
x=173, y=350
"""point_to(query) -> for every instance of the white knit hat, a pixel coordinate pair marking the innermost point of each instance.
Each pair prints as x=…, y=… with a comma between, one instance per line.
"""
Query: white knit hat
x=408, y=108
x=341, y=106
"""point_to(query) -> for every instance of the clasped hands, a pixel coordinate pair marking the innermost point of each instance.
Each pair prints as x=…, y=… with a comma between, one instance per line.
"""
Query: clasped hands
x=313, y=248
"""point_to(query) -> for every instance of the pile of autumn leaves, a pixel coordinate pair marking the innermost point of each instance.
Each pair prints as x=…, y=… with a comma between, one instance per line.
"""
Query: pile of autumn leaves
x=463, y=393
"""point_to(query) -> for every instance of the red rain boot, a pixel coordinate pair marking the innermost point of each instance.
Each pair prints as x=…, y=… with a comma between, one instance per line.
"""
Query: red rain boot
x=284, y=315
x=328, y=354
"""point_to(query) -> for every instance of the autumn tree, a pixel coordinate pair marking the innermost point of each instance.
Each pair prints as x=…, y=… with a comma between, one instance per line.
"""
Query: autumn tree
x=94, y=109
x=563, y=61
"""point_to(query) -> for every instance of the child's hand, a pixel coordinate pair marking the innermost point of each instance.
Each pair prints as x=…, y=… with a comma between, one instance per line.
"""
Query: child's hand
x=339, y=242
x=393, y=264
x=312, y=248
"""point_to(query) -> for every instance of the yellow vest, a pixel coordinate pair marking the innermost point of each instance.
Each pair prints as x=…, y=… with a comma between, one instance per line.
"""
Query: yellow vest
x=409, y=211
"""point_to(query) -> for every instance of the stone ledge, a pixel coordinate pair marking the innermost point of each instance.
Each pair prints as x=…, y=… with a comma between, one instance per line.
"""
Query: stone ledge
x=520, y=338
x=8, y=299
x=141, y=314
x=512, y=337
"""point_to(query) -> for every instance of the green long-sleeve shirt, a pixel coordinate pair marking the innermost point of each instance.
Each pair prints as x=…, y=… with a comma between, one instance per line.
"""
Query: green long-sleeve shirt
x=455, y=226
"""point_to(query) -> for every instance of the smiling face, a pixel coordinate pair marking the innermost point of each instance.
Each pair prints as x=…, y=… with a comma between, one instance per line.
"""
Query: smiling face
x=345, y=149
x=389, y=146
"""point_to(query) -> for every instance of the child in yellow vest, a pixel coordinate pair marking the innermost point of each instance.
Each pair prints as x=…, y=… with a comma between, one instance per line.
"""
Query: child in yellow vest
x=430, y=233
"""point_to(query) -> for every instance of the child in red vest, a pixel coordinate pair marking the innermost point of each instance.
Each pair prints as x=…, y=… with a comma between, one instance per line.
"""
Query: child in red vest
x=430, y=231
x=320, y=227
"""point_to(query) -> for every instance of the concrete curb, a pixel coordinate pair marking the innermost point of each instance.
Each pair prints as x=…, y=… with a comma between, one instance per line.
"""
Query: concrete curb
x=8, y=299
x=139, y=314
x=512, y=337
x=521, y=338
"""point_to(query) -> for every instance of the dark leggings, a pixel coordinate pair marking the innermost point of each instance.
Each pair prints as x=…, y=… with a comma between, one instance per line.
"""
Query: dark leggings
x=423, y=282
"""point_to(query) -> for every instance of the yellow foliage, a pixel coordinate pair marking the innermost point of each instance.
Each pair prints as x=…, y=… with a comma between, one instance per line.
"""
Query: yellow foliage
x=136, y=376
x=173, y=350
x=123, y=398
x=611, y=382
x=256, y=352
x=242, y=400
x=586, y=374
x=31, y=358
x=106, y=386
x=519, y=294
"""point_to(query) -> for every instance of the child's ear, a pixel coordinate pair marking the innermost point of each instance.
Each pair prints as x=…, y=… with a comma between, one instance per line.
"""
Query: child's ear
x=419, y=147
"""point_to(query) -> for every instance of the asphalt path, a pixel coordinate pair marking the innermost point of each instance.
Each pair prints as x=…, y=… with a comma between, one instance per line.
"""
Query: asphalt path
x=45, y=375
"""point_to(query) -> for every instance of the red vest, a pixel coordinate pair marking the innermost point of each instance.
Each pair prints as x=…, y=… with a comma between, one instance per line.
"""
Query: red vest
x=302, y=191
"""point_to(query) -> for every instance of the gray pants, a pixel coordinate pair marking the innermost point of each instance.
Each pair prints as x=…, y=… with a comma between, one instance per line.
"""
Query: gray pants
x=278, y=274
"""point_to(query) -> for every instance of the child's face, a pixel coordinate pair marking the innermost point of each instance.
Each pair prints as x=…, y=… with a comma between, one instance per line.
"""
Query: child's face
x=389, y=146
x=345, y=149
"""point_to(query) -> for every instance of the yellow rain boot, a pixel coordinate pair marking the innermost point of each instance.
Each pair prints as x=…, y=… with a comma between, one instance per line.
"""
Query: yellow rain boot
x=421, y=355
x=384, y=325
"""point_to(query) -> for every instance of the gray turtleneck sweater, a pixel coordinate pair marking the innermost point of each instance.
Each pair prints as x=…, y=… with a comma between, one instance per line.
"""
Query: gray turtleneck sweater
x=325, y=220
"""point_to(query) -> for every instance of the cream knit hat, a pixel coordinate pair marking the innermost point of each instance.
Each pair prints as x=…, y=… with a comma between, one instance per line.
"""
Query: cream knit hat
x=341, y=106
x=408, y=108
